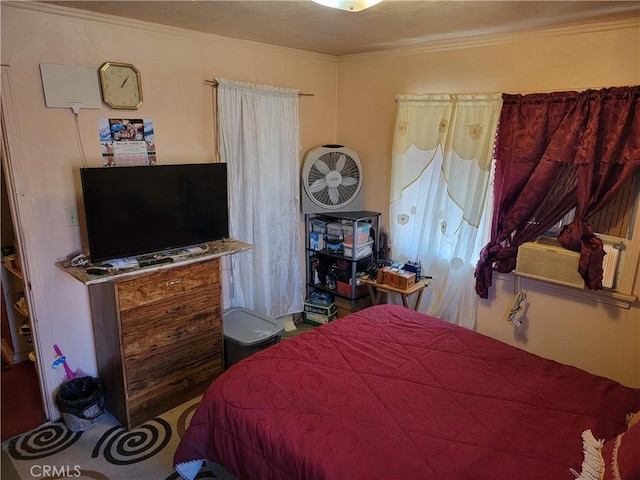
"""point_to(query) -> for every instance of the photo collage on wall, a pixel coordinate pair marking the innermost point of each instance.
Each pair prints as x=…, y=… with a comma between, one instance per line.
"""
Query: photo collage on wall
x=127, y=142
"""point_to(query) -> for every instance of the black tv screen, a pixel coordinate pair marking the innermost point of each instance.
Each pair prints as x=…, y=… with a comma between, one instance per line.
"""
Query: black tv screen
x=132, y=211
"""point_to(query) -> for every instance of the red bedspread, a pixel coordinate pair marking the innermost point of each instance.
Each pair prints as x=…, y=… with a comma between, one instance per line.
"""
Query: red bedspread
x=389, y=393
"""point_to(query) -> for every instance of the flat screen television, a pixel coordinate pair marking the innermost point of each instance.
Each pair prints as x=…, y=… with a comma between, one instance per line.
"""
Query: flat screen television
x=135, y=211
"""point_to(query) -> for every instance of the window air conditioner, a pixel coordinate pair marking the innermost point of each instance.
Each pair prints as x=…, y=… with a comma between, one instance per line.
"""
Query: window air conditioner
x=555, y=264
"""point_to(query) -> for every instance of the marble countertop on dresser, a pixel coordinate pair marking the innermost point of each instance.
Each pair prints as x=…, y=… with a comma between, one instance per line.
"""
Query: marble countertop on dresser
x=218, y=248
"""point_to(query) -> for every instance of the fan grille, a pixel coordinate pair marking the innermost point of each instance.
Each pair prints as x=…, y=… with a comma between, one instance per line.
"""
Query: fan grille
x=346, y=190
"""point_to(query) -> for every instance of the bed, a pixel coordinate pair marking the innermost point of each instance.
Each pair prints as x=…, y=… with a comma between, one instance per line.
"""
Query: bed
x=390, y=393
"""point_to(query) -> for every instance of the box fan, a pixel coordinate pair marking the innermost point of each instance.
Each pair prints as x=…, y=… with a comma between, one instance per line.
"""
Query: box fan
x=332, y=180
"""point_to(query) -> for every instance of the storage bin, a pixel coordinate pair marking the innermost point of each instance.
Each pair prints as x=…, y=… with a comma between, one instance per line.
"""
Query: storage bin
x=360, y=252
x=333, y=244
x=362, y=233
x=335, y=229
x=318, y=226
x=345, y=289
x=246, y=333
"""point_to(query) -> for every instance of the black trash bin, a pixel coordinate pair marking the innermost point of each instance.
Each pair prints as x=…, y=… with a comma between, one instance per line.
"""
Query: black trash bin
x=81, y=402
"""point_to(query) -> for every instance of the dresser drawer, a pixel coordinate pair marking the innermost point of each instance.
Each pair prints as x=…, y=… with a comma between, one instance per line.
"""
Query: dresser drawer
x=173, y=388
x=145, y=370
x=165, y=284
x=151, y=326
x=196, y=339
x=167, y=335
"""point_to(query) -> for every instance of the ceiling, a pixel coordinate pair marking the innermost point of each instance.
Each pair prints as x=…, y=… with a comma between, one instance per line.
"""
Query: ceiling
x=305, y=25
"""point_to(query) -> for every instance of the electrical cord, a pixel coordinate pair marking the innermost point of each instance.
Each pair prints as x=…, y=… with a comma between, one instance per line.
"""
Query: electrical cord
x=517, y=306
x=79, y=141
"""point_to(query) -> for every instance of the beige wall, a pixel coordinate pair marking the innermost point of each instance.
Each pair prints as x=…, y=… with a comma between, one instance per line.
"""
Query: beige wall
x=174, y=65
x=353, y=104
x=596, y=336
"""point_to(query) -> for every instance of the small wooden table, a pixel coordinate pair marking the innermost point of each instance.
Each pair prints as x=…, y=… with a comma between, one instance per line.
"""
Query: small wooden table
x=377, y=289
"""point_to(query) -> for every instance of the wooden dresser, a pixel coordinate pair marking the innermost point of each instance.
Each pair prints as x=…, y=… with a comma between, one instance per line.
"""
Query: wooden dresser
x=158, y=336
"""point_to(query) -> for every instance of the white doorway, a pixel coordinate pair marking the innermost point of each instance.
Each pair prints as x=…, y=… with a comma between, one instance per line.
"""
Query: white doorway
x=20, y=344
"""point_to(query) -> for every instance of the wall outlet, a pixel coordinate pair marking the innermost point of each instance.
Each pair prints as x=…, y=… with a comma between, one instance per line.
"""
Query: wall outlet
x=71, y=214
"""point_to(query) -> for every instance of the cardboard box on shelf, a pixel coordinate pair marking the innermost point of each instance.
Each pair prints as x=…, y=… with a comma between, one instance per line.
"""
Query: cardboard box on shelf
x=326, y=310
x=316, y=241
x=317, y=318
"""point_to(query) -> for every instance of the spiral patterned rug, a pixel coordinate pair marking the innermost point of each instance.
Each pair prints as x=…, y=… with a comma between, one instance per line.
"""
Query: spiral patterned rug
x=104, y=452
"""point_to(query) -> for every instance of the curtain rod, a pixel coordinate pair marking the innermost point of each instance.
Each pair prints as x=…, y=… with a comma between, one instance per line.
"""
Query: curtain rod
x=214, y=83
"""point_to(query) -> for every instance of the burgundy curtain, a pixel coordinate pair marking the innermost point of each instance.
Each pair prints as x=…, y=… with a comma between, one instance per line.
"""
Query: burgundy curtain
x=555, y=152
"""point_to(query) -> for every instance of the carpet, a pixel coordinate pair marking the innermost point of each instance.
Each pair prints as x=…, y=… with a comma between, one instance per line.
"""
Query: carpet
x=106, y=451
x=21, y=405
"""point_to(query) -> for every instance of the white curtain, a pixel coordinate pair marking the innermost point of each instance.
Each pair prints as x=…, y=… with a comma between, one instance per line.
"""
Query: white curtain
x=258, y=131
x=441, y=162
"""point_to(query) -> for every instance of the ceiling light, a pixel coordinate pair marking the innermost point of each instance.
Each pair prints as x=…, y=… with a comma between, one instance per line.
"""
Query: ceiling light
x=349, y=5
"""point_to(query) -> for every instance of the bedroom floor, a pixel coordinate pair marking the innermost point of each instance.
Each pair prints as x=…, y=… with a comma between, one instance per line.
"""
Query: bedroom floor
x=301, y=328
x=21, y=404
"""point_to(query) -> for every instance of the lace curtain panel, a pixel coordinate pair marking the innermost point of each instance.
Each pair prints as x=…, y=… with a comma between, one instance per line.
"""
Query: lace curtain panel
x=555, y=152
x=442, y=153
x=258, y=131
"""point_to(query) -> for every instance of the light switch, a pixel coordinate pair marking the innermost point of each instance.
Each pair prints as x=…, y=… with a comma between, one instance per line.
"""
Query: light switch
x=72, y=216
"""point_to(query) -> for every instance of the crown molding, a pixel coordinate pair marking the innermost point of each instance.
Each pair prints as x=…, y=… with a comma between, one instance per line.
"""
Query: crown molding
x=438, y=45
x=497, y=39
x=151, y=27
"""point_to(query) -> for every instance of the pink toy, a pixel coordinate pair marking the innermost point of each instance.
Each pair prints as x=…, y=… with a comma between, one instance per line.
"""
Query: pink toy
x=62, y=360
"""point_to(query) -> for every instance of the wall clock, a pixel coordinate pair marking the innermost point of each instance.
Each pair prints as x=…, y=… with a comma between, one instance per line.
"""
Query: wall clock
x=121, y=85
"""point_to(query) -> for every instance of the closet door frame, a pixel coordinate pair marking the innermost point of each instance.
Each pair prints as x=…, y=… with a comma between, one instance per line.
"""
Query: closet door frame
x=16, y=175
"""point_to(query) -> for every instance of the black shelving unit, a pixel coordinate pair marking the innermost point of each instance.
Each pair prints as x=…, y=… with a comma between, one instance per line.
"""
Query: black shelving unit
x=321, y=258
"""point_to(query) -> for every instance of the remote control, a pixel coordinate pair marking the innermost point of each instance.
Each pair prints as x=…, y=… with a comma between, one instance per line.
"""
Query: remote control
x=97, y=270
x=154, y=261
